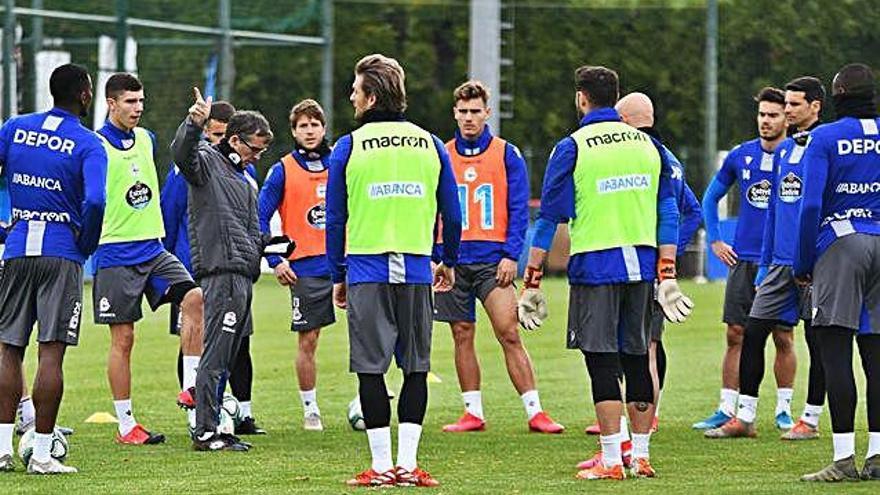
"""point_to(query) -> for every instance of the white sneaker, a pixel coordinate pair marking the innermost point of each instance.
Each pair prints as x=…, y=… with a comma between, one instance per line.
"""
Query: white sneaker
x=7, y=463
x=52, y=466
x=312, y=422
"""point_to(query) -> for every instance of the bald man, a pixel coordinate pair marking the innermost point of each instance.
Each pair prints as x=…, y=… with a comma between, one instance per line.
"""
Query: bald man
x=637, y=110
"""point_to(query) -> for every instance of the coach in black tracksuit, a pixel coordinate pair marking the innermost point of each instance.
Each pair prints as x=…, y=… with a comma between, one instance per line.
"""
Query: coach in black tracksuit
x=226, y=246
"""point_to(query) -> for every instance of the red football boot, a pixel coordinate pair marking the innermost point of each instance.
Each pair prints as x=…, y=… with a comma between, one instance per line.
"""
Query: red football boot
x=416, y=477
x=372, y=478
x=467, y=422
x=542, y=423
x=140, y=436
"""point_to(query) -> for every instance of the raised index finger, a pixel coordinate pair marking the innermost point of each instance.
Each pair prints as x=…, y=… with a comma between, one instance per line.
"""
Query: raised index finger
x=197, y=94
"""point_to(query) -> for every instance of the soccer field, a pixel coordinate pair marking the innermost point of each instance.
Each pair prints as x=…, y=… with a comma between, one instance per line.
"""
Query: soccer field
x=504, y=459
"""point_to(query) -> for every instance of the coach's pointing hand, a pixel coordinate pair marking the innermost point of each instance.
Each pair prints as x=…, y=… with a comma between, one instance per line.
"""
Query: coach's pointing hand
x=200, y=110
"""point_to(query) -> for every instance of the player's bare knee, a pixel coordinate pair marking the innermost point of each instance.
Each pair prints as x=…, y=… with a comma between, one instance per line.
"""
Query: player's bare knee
x=509, y=338
x=784, y=341
x=463, y=332
x=122, y=338
x=735, y=335
x=308, y=343
x=193, y=302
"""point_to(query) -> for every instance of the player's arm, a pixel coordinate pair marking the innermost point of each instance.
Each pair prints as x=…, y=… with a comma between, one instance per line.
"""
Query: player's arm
x=450, y=214
x=173, y=196
x=94, y=171
x=815, y=166
x=337, y=217
x=691, y=216
x=184, y=148
x=557, y=206
x=517, y=213
x=676, y=306
x=270, y=198
x=721, y=183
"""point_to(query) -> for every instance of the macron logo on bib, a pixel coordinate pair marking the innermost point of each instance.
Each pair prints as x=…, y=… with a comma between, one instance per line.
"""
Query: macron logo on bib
x=634, y=182
x=381, y=190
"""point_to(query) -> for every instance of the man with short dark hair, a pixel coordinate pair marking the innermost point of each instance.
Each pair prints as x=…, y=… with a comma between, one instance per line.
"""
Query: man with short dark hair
x=296, y=188
x=175, y=216
x=779, y=302
x=750, y=164
x=611, y=183
x=386, y=174
x=494, y=193
x=131, y=261
x=838, y=248
x=226, y=247
x=56, y=171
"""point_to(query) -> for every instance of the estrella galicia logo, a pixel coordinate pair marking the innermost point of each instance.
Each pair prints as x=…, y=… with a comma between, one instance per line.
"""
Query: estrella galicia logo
x=317, y=215
x=790, y=188
x=758, y=194
x=139, y=195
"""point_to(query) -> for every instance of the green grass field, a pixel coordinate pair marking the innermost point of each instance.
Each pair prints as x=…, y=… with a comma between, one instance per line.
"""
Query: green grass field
x=504, y=459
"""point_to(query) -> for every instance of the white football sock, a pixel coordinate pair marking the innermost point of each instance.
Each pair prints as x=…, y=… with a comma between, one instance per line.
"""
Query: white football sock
x=844, y=445
x=873, y=444
x=310, y=401
x=473, y=402
x=811, y=415
x=532, y=403
x=42, y=444
x=125, y=416
x=28, y=413
x=246, y=409
x=408, y=435
x=783, y=401
x=380, y=448
x=6, y=432
x=624, y=429
x=640, y=445
x=611, y=455
x=728, y=401
x=748, y=408
x=191, y=418
x=190, y=367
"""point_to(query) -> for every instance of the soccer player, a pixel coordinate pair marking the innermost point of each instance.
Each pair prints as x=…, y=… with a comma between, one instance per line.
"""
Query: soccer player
x=386, y=174
x=637, y=110
x=493, y=190
x=779, y=302
x=56, y=171
x=131, y=261
x=296, y=188
x=749, y=164
x=175, y=216
x=838, y=247
x=614, y=185
x=226, y=247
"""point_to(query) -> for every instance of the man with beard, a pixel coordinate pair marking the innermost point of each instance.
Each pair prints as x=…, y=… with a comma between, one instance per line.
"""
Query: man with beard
x=779, y=302
x=751, y=165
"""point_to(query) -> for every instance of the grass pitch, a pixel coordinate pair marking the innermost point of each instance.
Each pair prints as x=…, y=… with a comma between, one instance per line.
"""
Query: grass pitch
x=504, y=459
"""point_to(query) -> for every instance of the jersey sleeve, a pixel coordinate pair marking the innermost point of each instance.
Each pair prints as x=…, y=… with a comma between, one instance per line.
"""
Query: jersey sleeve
x=337, y=208
x=449, y=206
x=815, y=165
x=94, y=173
x=690, y=217
x=557, y=192
x=173, y=197
x=271, y=195
x=517, y=201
